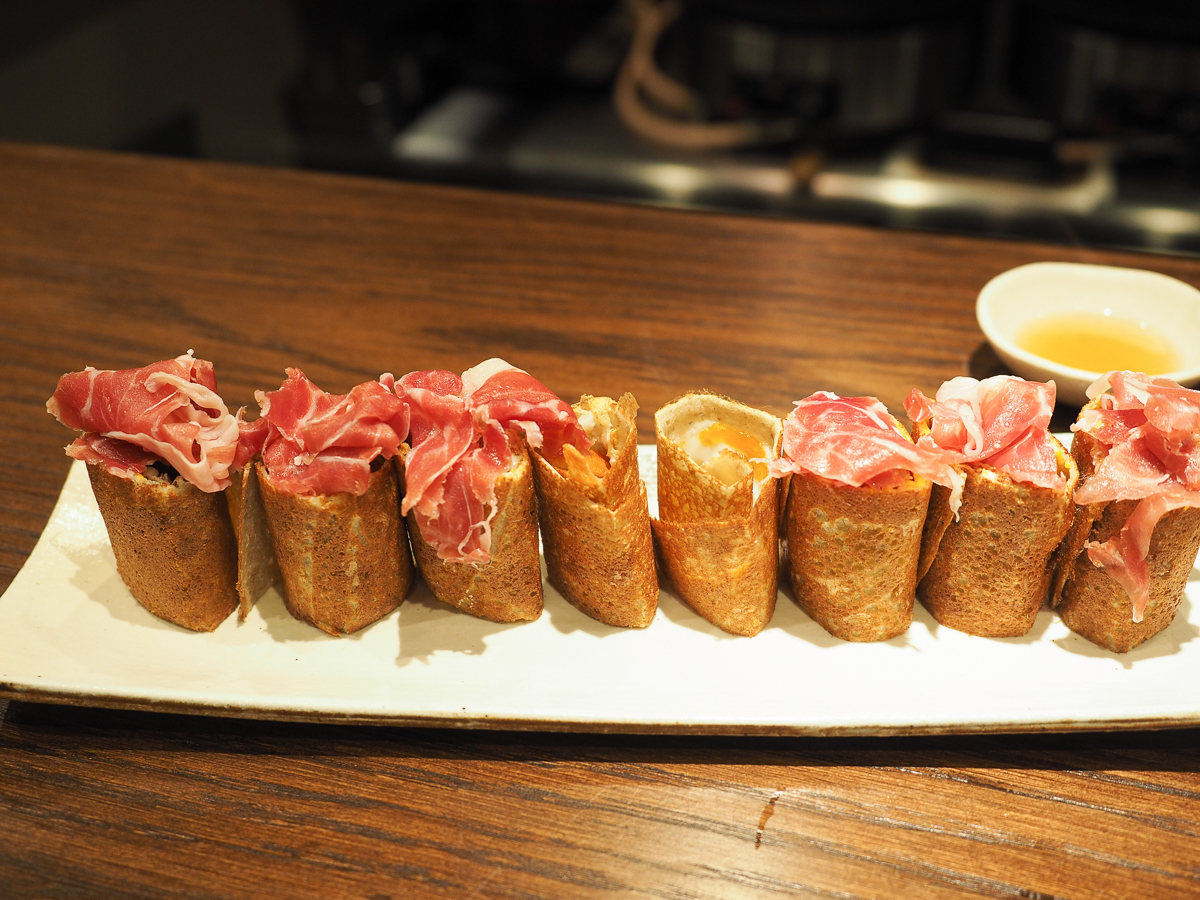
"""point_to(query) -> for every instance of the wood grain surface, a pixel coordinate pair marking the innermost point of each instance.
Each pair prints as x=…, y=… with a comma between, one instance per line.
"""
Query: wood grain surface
x=115, y=261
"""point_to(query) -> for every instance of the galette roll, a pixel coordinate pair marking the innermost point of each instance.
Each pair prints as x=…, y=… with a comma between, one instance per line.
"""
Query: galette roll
x=595, y=520
x=717, y=531
x=856, y=508
x=469, y=489
x=987, y=557
x=160, y=445
x=1124, y=566
x=332, y=499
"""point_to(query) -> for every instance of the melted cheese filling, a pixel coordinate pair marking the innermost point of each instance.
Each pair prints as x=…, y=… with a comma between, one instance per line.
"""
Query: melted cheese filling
x=585, y=468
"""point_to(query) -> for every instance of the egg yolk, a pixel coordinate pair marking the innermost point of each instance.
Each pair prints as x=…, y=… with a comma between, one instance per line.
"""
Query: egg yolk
x=750, y=447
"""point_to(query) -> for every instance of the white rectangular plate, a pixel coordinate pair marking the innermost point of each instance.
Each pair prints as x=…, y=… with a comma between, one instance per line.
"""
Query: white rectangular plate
x=70, y=632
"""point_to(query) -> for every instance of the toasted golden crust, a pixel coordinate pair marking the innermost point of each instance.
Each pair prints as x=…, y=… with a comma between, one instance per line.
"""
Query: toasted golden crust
x=509, y=588
x=344, y=559
x=992, y=569
x=718, y=543
x=1087, y=453
x=727, y=571
x=597, y=543
x=1092, y=603
x=937, y=520
x=174, y=545
x=854, y=553
x=258, y=568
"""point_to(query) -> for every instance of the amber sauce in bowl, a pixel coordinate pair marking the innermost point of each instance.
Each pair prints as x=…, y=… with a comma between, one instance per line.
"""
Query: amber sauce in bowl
x=1072, y=322
x=1099, y=343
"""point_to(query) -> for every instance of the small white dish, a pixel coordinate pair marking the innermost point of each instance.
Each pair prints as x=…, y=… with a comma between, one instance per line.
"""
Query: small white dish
x=1013, y=299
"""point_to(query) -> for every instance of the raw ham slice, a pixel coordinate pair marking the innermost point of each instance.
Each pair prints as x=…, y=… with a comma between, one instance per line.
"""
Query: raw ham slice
x=855, y=441
x=1151, y=429
x=251, y=437
x=459, y=448
x=511, y=396
x=121, y=458
x=170, y=410
x=320, y=444
x=442, y=429
x=1002, y=422
x=452, y=468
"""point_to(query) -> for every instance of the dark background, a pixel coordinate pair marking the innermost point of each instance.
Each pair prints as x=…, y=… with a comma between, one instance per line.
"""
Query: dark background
x=1062, y=120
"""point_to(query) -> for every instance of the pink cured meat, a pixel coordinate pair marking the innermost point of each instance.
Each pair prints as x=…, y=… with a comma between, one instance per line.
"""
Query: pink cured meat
x=121, y=458
x=320, y=444
x=459, y=448
x=511, y=396
x=251, y=437
x=1002, y=422
x=169, y=410
x=854, y=441
x=1151, y=429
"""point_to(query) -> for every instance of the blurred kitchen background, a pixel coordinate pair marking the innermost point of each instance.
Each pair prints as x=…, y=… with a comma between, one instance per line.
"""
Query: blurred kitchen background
x=1070, y=121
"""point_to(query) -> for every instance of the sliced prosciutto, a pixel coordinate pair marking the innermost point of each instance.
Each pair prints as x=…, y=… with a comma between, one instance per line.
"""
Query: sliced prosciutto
x=460, y=447
x=855, y=441
x=316, y=443
x=1150, y=428
x=1002, y=422
x=167, y=412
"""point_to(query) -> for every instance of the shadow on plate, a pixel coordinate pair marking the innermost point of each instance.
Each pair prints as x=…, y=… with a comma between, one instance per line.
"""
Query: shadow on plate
x=285, y=628
x=96, y=576
x=423, y=632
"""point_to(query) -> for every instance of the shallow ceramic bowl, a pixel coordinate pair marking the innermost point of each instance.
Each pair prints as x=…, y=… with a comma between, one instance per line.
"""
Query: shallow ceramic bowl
x=1014, y=298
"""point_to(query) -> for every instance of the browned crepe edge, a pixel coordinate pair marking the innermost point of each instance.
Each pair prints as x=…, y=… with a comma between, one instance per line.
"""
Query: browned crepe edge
x=688, y=493
x=620, y=483
x=992, y=571
x=939, y=516
x=258, y=568
x=1092, y=603
x=509, y=587
x=174, y=545
x=937, y=520
x=1095, y=606
x=1087, y=453
x=344, y=559
x=857, y=580
x=600, y=555
x=727, y=571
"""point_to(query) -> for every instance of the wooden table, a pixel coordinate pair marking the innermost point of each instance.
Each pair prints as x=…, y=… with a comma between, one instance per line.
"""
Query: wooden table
x=115, y=261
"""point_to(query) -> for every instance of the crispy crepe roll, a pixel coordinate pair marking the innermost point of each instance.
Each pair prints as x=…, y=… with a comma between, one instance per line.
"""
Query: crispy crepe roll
x=856, y=509
x=344, y=556
x=174, y=546
x=507, y=588
x=1125, y=564
x=332, y=501
x=987, y=553
x=717, y=529
x=257, y=567
x=594, y=517
x=469, y=492
x=159, y=443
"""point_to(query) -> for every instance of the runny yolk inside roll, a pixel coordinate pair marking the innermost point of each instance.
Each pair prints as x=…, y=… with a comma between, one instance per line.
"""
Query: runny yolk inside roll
x=720, y=436
x=584, y=468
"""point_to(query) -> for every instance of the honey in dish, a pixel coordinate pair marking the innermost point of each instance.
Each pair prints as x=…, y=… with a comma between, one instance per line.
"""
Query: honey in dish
x=1099, y=343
